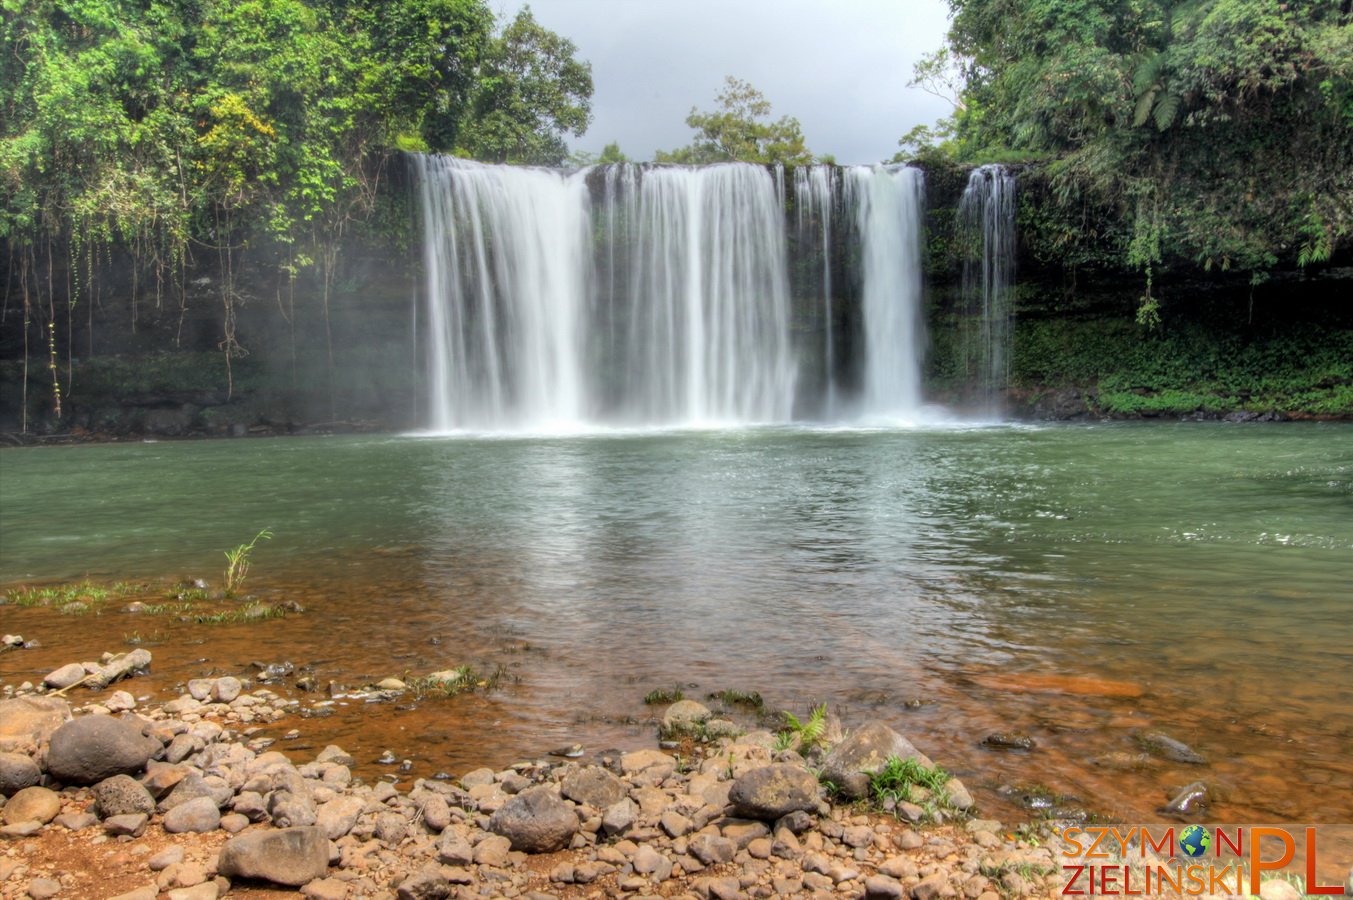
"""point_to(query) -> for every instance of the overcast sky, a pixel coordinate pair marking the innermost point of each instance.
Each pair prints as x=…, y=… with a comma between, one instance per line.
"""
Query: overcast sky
x=840, y=67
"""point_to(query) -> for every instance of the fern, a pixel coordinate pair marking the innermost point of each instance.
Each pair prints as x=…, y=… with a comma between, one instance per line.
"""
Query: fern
x=1166, y=111
x=811, y=732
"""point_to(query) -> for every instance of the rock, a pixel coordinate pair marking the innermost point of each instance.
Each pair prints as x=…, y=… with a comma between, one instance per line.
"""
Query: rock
x=933, y=886
x=17, y=771
x=492, y=851
x=28, y=722
x=121, y=667
x=593, y=786
x=290, y=810
x=337, y=817
x=226, y=689
x=197, y=815
x=1008, y=740
x=32, y=804
x=881, y=887
x=959, y=797
x=205, y=891
x=67, y=676
x=482, y=777
x=773, y=791
x=46, y=888
x=193, y=786
x=425, y=884
x=454, y=850
x=336, y=755
x=20, y=830
x=796, y=822
x=150, y=892
x=1168, y=747
x=122, y=795
x=167, y=857
x=92, y=748
x=711, y=849
x=288, y=856
x=436, y=813
x=654, y=765
x=620, y=817
x=648, y=861
x=120, y=701
x=851, y=762
x=76, y=821
x=391, y=684
x=1188, y=801
x=131, y=824
x=325, y=889
x=684, y=714
x=536, y=821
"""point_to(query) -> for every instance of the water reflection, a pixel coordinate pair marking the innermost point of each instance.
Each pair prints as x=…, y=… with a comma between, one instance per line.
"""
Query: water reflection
x=1008, y=578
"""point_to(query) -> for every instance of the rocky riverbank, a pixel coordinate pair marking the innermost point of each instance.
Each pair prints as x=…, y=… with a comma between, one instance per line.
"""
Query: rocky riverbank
x=120, y=799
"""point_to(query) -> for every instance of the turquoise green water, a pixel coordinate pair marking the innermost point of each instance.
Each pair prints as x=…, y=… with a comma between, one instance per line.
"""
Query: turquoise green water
x=1209, y=567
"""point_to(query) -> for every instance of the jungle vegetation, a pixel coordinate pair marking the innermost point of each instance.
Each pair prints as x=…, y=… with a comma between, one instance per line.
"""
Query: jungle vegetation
x=1208, y=135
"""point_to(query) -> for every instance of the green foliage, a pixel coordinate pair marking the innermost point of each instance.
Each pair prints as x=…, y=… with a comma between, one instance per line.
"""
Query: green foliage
x=662, y=696
x=898, y=779
x=1219, y=130
x=530, y=91
x=807, y=735
x=237, y=563
x=730, y=697
x=740, y=130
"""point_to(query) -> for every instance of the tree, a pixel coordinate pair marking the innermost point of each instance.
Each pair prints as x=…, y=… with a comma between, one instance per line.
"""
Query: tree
x=610, y=155
x=529, y=92
x=741, y=130
x=1219, y=131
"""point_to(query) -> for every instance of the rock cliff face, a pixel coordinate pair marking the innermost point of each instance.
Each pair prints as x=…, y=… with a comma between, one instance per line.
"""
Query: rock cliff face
x=346, y=352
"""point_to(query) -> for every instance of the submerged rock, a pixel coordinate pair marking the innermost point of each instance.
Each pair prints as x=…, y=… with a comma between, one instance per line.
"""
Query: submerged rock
x=1188, y=801
x=1008, y=740
x=1166, y=746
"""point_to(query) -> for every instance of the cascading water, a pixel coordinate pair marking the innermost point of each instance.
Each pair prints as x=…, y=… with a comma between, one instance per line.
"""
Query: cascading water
x=659, y=296
x=888, y=206
x=987, y=217
x=814, y=205
x=706, y=322
x=505, y=251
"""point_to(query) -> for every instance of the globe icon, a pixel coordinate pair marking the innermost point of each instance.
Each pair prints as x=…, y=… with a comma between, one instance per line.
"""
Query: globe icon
x=1194, y=841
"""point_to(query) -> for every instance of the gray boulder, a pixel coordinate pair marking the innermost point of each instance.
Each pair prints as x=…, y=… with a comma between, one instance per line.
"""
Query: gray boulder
x=122, y=795
x=17, y=771
x=90, y=749
x=593, y=786
x=851, y=762
x=536, y=821
x=773, y=791
x=198, y=815
x=126, y=664
x=289, y=856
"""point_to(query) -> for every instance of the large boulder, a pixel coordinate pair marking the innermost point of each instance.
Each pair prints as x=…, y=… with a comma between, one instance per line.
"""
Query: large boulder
x=593, y=786
x=773, y=791
x=90, y=749
x=17, y=771
x=122, y=795
x=851, y=762
x=536, y=821
x=28, y=722
x=289, y=856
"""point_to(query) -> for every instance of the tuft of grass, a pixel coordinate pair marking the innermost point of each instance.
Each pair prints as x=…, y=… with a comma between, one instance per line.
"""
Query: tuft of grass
x=748, y=699
x=454, y=682
x=237, y=562
x=663, y=696
x=907, y=781
x=76, y=598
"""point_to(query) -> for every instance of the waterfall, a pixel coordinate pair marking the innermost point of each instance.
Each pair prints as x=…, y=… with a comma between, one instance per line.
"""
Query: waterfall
x=987, y=218
x=888, y=204
x=636, y=295
x=707, y=320
x=506, y=255
x=667, y=304
x=814, y=205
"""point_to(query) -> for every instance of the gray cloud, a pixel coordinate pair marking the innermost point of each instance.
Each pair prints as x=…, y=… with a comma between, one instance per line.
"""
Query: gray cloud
x=840, y=67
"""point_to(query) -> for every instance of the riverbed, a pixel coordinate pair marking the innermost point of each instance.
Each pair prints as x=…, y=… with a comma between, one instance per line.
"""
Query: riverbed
x=1081, y=586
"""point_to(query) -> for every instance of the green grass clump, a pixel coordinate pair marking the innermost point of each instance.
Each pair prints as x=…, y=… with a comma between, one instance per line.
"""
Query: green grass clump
x=908, y=781
x=250, y=612
x=663, y=696
x=454, y=682
x=749, y=699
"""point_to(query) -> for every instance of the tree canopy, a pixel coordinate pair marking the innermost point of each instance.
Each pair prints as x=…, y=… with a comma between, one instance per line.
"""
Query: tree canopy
x=741, y=130
x=1220, y=131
